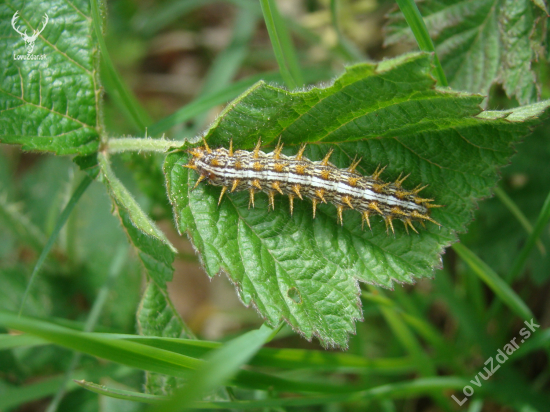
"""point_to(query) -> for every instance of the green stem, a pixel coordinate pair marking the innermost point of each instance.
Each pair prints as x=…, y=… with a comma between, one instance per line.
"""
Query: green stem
x=422, y=36
x=540, y=224
x=131, y=144
x=518, y=214
x=137, y=114
x=53, y=237
x=287, y=47
x=276, y=44
x=398, y=390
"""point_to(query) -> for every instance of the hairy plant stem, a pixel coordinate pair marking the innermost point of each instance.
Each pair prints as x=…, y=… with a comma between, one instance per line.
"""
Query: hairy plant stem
x=131, y=144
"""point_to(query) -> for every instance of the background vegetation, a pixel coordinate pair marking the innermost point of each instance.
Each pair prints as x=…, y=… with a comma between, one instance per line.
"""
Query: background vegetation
x=91, y=304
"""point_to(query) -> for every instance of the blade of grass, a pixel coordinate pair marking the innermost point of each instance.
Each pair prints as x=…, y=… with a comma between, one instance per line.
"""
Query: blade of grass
x=152, y=21
x=115, y=269
x=519, y=261
x=518, y=214
x=228, y=62
x=79, y=191
x=152, y=359
x=540, y=224
x=220, y=366
x=8, y=341
x=276, y=44
x=111, y=89
x=280, y=358
x=137, y=114
x=420, y=31
x=494, y=281
x=128, y=353
x=123, y=394
x=400, y=390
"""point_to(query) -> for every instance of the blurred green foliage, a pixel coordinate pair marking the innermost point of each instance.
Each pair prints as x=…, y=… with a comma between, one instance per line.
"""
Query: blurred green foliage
x=417, y=345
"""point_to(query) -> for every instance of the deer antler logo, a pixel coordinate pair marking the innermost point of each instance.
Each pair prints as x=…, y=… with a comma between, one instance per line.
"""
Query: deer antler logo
x=29, y=40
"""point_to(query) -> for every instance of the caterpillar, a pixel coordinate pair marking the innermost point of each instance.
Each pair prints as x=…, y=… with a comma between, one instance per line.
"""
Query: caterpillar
x=320, y=181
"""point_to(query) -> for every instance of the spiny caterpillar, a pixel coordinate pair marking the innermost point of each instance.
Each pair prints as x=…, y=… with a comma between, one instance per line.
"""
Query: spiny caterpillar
x=297, y=176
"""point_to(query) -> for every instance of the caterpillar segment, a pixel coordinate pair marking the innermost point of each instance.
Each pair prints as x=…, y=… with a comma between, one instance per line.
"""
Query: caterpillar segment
x=320, y=181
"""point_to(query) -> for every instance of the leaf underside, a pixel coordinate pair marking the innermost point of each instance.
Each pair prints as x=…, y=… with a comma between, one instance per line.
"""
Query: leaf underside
x=307, y=271
x=481, y=42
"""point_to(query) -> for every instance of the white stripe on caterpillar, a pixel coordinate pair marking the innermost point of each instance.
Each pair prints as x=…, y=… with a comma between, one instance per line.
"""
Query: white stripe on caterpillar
x=320, y=181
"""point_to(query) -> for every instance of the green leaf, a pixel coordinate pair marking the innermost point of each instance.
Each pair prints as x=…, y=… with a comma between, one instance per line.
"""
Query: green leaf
x=154, y=250
x=221, y=364
x=495, y=282
x=157, y=317
x=482, y=42
x=50, y=104
x=306, y=271
x=276, y=358
x=153, y=359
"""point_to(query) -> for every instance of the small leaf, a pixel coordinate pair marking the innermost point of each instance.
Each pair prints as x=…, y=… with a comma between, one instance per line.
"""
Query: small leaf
x=157, y=317
x=482, y=42
x=306, y=271
x=49, y=104
x=154, y=250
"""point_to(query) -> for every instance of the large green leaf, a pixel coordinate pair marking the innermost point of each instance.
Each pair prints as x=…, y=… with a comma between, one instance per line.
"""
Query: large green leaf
x=306, y=271
x=49, y=104
x=481, y=42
